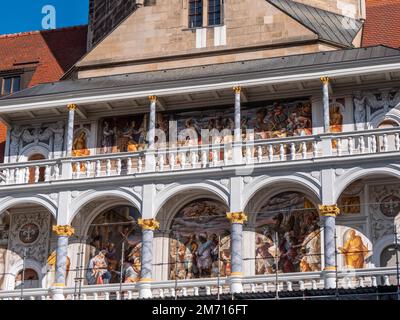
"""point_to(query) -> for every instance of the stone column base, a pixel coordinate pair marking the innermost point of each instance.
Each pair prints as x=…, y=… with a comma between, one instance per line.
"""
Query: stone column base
x=57, y=292
x=235, y=282
x=145, y=289
x=329, y=275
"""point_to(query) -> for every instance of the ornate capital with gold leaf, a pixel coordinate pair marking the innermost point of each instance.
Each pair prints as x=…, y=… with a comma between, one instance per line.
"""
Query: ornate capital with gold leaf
x=237, y=89
x=149, y=224
x=329, y=211
x=72, y=107
x=65, y=231
x=153, y=99
x=237, y=217
x=325, y=80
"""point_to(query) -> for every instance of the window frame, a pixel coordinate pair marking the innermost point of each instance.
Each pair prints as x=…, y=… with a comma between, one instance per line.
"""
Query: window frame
x=194, y=16
x=13, y=78
x=213, y=14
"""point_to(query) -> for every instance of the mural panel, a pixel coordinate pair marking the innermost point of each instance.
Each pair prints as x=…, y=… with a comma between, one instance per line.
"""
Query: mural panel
x=112, y=234
x=269, y=120
x=288, y=235
x=200, y=241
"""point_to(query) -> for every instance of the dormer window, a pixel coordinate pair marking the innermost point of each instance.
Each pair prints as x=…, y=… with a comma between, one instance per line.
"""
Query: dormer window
x=10, y=85
x=214, y=12
x=195, y=13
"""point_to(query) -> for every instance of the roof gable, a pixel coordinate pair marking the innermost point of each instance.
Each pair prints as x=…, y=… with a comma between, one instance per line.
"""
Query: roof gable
x=329, y=26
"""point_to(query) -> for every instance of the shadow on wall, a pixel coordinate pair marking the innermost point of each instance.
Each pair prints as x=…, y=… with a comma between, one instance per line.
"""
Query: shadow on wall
x=2, y=147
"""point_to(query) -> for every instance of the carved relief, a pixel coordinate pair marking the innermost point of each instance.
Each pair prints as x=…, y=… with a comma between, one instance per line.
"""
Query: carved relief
x=51, y=135
x=29, y=233
x=384, y=207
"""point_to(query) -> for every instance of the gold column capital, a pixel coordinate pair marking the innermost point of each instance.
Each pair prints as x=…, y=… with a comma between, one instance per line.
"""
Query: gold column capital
x=237, y=217
x=325, y=80
x=329, y=210
x=149, y=224
x=72, y=106
x=237, y=89
x=66, y=231
x=153, y=99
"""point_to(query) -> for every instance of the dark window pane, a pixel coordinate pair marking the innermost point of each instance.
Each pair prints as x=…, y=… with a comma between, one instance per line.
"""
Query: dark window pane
x=214, y=12
x=7, y=85
x=195, y=13
x=16, y=84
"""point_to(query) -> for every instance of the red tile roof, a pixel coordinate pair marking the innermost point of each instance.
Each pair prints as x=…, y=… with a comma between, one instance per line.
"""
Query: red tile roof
x=382, y=25
x=50, y=52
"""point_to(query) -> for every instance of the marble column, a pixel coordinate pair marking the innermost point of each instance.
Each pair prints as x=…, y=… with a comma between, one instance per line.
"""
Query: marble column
x=63, y=233
x=70, y=129
x=328, y=213
x=237, y=220
x=237, y=144
x=146, y=277
x=325, y=86
x=150, y=163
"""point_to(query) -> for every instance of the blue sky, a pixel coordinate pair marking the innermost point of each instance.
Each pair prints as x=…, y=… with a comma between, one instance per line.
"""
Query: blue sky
x=26, y=15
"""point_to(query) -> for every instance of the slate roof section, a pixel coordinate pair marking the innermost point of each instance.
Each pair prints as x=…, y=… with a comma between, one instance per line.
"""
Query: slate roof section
x=233, y=71
x=329, y=26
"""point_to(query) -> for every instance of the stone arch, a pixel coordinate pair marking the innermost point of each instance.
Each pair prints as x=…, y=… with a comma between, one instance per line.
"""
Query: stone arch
x=9, y=280
x=355, y=174
x=85, y=198
x=380, y=246
x=392, y=115
x=252, y=195
x=41, y=201
x=205, y=189
x=30, y=150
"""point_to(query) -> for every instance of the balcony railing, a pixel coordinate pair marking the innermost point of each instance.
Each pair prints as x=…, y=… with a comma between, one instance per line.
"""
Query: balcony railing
x=362, y=278
x=204, y=156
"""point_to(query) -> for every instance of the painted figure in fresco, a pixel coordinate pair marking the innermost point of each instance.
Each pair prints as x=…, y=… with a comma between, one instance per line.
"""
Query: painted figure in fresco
x=336, y=119
x=133, y=265
x=98, y=269
x=108, y=138
x=130, y=137
x=311, y=250
x=204, y=258
x=79, y=147
x=354, y=251
x=289, y=252
x=265, y=255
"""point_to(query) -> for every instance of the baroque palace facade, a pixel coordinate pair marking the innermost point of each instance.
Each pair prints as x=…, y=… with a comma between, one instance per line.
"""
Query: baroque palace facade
x=203, y=147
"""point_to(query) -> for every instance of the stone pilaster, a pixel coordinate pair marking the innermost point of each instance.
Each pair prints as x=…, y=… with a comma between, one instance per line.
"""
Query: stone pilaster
x=237, y=220
x=148, y=228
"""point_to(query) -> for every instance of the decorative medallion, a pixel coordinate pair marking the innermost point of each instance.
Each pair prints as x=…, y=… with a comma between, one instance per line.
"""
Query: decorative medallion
x=29, y=233
x=390, y=206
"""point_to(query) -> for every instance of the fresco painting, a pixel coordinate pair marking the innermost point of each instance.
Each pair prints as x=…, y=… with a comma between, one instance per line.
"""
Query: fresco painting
x=288, y=235
x=200, y=241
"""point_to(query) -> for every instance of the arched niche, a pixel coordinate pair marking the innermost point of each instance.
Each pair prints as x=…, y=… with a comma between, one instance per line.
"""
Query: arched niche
x=109, y=243
x=288, y=235
x=199, y=242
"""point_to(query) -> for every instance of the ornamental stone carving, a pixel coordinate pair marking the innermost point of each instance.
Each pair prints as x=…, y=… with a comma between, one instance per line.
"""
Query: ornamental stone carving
x=149, y=224
x=237, y=217
x=329, y=210
x=64, y=231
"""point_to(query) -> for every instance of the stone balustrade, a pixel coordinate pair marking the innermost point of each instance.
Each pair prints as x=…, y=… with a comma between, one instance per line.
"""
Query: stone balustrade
x=279, y=150
x=361, y=278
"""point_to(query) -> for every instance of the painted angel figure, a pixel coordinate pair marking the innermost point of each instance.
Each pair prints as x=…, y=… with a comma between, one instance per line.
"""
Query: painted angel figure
x=360, y=111
x=16, y=134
